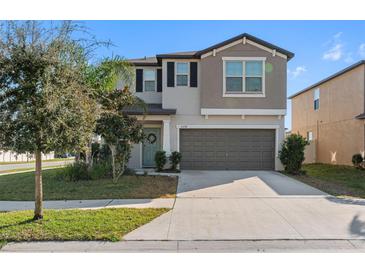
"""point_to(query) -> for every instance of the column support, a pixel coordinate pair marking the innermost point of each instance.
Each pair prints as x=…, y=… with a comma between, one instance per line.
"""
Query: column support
x=166, y=137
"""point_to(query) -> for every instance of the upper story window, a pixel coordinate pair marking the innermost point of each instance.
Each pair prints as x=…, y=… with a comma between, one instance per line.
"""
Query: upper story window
x=182, y=74
x=149, y=80
x=316, y=99
x=244, y=76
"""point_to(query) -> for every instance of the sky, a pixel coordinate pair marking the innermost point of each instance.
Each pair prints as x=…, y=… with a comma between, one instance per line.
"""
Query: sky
x=321, y=48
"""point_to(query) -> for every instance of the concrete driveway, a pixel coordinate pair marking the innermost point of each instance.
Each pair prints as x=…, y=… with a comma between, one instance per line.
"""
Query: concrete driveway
x=253, y=205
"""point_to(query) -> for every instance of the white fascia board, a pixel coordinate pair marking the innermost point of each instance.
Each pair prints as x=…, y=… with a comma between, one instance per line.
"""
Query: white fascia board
x=255, y=126
x=223, y=111
x=242, y=41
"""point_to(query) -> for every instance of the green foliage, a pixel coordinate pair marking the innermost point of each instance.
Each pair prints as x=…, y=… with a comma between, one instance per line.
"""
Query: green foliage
x=101, y=170
x=357, y=160
x=160, y=160
x=116, y=128
x=80, y=171
x=45, y=101
x=75, y=172
x=175, y=159
x=292, y=153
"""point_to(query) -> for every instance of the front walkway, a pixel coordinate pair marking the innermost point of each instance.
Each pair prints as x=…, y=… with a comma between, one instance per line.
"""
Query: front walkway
x=253, y=205
x=90, y=204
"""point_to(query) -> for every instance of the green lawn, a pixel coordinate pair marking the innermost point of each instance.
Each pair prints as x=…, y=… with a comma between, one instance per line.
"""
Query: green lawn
x=335, y=180
x=81, y=225
x=16, y=187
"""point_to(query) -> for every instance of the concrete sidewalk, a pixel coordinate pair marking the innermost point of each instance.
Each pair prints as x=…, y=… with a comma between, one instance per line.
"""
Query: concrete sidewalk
x=89, y=204
x=191, y=246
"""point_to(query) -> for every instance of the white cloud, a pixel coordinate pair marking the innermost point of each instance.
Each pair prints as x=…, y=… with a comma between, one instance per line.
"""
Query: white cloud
x=297, y=71
x=362, y=50
x=335, y=53
x=337, y=35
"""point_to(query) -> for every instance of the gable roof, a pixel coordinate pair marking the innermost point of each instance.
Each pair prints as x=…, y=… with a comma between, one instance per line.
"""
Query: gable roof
x=198, y=54
x=362, y=62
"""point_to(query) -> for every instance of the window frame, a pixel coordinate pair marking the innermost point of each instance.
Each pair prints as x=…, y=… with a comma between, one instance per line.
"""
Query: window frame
x=309, y=136
x=144, y=80
x=316, y=106
x=187, y=74
x=244, y=93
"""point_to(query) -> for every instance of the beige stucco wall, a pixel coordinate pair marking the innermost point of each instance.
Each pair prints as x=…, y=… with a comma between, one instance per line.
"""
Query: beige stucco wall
x=212, y=80
x=186, y=100
x=337, y=134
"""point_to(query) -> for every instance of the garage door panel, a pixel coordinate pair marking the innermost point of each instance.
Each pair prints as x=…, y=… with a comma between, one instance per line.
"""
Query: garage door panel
x=231, y=149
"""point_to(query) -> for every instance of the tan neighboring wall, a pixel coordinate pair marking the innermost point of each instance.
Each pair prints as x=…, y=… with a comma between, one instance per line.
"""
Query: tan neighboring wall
x=337, y=135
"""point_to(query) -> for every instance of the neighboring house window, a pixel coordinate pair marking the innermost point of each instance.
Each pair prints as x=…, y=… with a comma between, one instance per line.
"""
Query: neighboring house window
x=316, y=99
x=244, y=76
x=149, y=79
x=182, y=74
x=309, y=136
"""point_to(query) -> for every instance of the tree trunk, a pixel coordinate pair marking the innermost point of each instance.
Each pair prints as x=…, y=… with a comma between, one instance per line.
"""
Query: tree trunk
x=38, y=211
x=113, y=151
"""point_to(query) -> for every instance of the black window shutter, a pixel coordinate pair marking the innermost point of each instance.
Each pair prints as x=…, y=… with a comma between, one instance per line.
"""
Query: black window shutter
x=139, y=80
x=170, y=74
x=159, y=80
x=193, y=74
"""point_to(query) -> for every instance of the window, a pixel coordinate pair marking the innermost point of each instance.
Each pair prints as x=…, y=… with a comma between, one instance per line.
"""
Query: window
x=149, y=78
x=316, y=99
x=234, y=76
x=244, y=76
x=253, y=76
x=309, y=136
x=182, y=74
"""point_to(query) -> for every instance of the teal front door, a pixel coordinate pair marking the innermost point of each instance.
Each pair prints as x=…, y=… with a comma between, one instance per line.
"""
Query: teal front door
x=150, y=146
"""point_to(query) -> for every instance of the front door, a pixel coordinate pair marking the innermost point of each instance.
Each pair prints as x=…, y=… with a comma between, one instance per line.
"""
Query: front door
x=150, y=146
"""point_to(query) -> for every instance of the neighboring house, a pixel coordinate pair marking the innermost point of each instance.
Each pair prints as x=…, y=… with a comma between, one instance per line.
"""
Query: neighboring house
x=331, y=115
x=222, y=107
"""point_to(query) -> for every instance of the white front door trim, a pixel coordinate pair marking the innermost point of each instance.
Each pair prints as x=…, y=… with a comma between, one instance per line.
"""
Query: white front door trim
x=166, y=137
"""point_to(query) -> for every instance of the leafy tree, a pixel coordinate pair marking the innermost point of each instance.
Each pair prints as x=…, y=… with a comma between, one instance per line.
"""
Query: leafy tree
x=292, y=153
x=45, y=101
x=118, y=130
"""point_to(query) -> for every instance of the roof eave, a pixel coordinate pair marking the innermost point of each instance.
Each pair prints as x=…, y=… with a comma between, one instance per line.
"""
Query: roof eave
x=289, y=54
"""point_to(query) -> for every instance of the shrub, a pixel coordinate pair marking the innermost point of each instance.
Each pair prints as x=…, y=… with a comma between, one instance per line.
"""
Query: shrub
x=175, y=159
x=292, y=153
x=160, y=160
x=357, y=160
x=100, y=170
x=75, y=172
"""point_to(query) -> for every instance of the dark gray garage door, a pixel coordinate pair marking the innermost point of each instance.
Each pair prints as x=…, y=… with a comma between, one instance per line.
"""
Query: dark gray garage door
x=227, y=149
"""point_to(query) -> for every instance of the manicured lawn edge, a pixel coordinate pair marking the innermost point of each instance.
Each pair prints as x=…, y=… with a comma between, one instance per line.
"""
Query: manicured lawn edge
x=75, y=225
x=20, y=187
x=336, y=180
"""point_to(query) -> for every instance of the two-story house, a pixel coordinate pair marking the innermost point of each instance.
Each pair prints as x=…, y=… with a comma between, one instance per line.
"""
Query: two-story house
x=222, y=107
x=331, y=115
